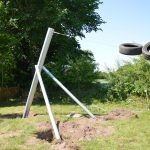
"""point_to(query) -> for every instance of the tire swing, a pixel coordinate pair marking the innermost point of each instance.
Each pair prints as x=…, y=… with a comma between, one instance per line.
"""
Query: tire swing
x=130, y=49
x=146, y=51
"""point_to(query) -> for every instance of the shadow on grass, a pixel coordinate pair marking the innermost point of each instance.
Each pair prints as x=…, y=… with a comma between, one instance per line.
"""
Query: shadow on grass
x=45, y=135
x=10, y=116
x=18, y=102
x=19, y=115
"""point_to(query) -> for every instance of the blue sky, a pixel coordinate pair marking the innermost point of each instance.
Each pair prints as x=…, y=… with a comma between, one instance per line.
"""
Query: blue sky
x=127, y=21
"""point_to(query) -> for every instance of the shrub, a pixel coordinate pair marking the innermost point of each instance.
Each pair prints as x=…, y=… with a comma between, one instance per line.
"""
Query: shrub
x=130, y=79
x=82, y=71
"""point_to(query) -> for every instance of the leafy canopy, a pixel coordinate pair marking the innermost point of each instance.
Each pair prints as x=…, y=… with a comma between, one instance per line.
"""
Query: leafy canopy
x=27, y=22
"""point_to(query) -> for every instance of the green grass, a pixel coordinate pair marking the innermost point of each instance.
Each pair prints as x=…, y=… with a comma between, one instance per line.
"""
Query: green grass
x=130, y=134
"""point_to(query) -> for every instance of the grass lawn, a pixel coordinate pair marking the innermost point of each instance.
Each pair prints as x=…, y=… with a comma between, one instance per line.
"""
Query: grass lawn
x=130, y=133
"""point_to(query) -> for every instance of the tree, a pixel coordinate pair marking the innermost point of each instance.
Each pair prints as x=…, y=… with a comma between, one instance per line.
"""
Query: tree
x=7, y=62
x=27, y=21
x=81, y=71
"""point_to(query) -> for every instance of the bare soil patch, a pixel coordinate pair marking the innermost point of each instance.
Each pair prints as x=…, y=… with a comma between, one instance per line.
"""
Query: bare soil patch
x=120, y=114
x=81, y=129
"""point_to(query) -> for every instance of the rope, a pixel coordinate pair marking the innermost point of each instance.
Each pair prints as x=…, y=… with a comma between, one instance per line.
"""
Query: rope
x=62, y=34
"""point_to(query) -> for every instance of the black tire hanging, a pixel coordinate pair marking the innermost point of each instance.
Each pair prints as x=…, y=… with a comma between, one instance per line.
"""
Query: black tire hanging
x=130, y=49
x=146, y=51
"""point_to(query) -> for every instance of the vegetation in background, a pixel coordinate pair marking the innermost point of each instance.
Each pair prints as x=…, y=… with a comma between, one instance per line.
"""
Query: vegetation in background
x=23, y=25
x=7, y=60
x=130, y=79
x=81, y=71
x=27, y=22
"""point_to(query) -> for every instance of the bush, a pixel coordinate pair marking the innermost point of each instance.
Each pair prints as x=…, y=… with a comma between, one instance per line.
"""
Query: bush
x=79, y=72
x=130, y=79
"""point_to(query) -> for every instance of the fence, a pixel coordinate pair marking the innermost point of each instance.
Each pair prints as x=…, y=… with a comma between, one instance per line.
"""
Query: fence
x=9, y=93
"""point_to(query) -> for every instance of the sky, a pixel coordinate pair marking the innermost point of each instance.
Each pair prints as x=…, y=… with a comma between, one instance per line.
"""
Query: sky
x=127, y=21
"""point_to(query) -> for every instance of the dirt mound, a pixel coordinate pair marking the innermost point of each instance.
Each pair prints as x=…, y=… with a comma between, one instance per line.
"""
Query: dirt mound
x=81, y=129
x=120, y=114
x=73, y=132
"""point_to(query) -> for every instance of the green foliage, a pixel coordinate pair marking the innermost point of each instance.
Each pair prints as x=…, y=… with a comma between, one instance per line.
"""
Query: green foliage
x=78, y=76
x=130, y=79
x=79, y=72
x=103, y=75
x=27, y=21
x=83, y=70
x=7, y=61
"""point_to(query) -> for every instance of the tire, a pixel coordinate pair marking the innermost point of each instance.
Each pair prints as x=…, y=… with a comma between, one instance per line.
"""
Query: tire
x=146, y=51
x=130, y=49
